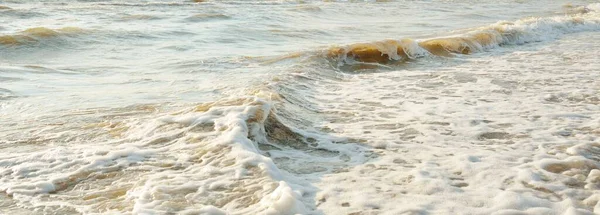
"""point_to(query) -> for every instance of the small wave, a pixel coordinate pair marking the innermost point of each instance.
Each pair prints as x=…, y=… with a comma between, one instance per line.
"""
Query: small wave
x=147, y=4
x=5, y=93
x=13, y=40
x=502, y=33
x=20, y=13
x=207, y=16
x=139, y=17
x=309, y=8
x=40, y=32
x=36, y=34
x=268, y=60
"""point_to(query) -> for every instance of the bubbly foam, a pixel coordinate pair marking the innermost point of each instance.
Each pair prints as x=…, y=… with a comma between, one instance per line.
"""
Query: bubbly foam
x=512, y=132
x=225, y=166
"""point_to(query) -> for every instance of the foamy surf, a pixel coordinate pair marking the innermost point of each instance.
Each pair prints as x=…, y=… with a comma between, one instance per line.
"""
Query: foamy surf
x=492, y=135
x=224, y=165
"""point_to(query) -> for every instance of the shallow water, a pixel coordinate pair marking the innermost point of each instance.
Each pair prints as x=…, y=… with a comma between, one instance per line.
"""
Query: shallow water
x=299, y=107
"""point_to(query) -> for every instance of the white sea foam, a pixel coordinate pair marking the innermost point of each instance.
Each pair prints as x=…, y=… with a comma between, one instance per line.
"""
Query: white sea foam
x=219, y=157
x=513, y=131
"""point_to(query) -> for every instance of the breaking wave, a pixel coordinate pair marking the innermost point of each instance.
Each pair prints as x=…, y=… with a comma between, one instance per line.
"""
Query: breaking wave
x=501, y=33
x=225, y=164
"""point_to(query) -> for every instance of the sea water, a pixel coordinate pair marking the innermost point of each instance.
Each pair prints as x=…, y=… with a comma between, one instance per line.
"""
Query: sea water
x=299, y=107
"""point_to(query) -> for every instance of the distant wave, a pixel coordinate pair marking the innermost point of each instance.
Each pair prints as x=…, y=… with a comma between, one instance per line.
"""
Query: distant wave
x=207, y=16
x=37, y=34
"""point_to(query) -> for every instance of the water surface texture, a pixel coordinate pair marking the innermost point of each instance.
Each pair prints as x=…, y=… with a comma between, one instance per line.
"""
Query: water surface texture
x=299, y=107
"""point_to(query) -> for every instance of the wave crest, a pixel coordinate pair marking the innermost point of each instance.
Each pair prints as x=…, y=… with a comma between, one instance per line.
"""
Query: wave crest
x=502, y=33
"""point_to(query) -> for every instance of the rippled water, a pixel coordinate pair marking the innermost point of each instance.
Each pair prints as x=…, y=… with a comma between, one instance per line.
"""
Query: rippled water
x=299, y=107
